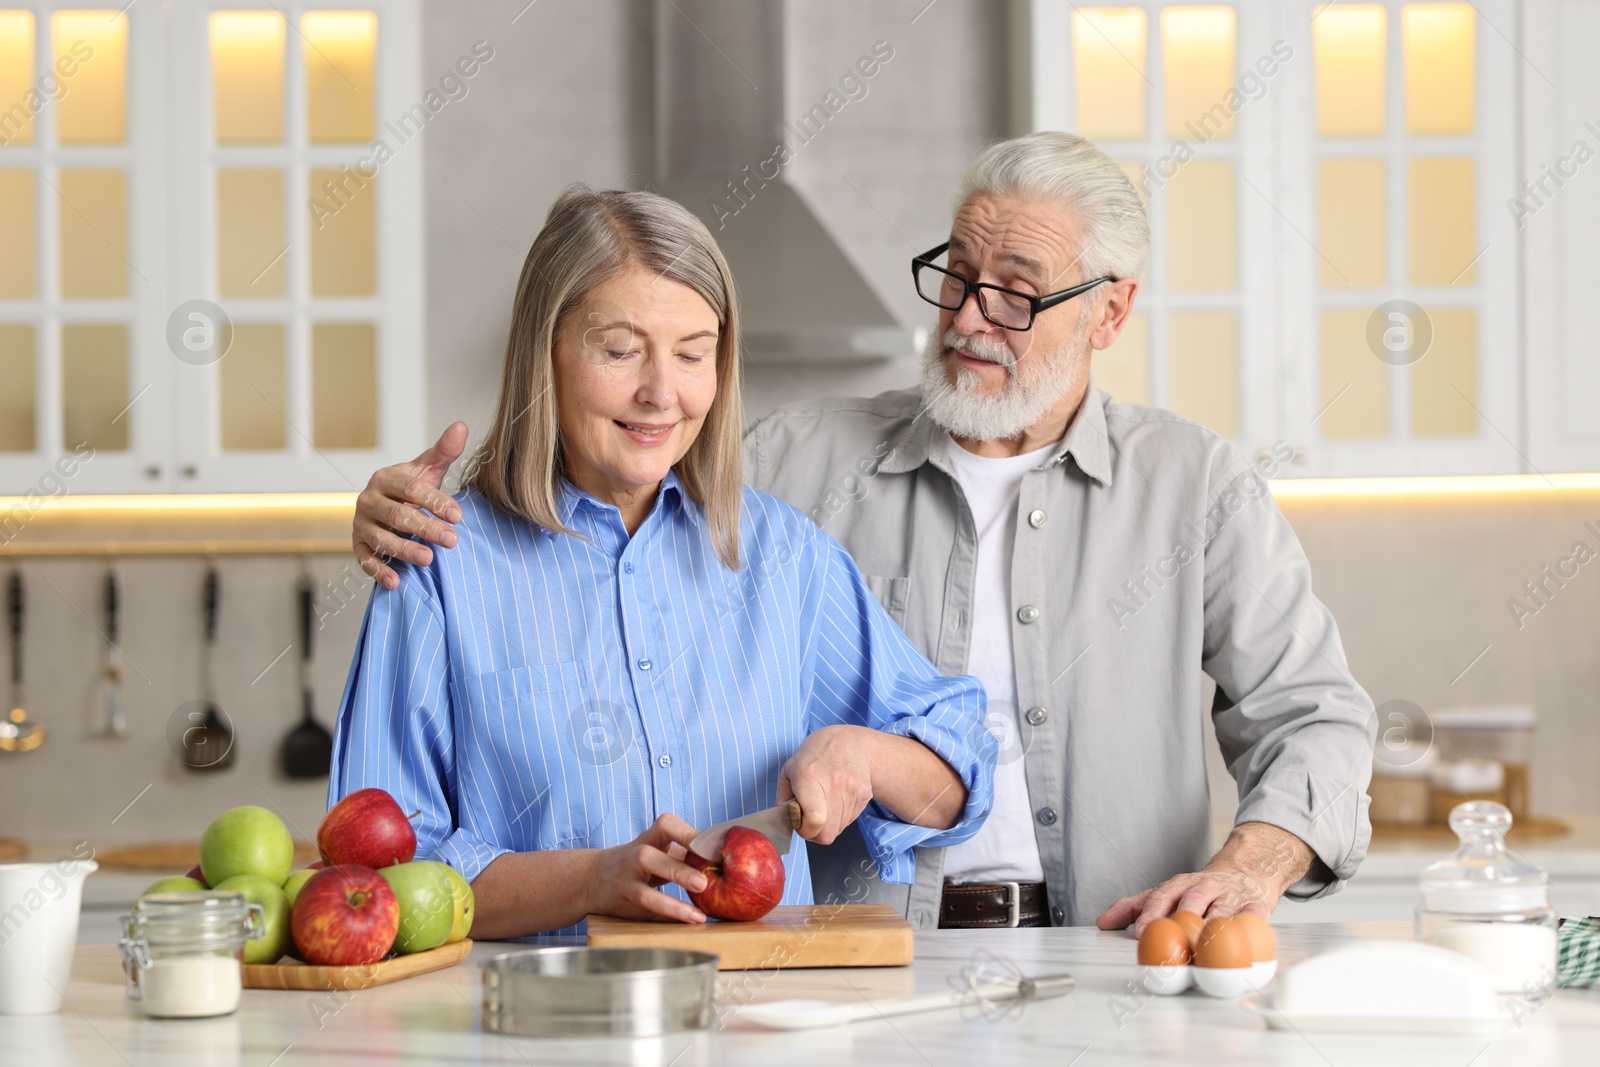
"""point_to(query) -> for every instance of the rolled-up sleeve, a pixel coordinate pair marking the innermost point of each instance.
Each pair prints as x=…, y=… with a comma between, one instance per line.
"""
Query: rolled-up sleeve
x=864, y=671
x=394, y=729
x=1295, y=728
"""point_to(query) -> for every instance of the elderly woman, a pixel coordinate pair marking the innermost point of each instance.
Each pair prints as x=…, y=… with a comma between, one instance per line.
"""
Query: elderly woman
x=626, y=643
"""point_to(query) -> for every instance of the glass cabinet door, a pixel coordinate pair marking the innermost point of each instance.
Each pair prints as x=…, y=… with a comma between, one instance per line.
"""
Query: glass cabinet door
x=212, y=284
x=302, y=245
x=81, y=252
x=1171, y=92
x=1332, y=265
x=1406, y=279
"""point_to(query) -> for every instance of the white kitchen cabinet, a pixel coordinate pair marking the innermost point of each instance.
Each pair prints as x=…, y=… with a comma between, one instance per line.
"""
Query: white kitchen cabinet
x=201, y=179
x=1557, y=213
x=1303, y=165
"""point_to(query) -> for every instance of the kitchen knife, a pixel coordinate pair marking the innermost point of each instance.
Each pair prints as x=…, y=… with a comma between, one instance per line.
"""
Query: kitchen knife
x=776, y=824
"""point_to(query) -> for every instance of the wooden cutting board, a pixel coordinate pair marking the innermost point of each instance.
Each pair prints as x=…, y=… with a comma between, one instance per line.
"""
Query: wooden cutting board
x=796, y=935
x=291, y=974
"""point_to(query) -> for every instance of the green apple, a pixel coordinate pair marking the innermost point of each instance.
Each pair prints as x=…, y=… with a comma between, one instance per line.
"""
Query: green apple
x=465, y=905
x=461, y=921
x=291, y=888
x=427, y=905
x=176, y=884
x=270, y=947
x=247, y=840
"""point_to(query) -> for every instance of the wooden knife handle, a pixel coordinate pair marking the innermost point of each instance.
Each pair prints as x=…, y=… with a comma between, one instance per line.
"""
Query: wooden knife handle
x=796, y=816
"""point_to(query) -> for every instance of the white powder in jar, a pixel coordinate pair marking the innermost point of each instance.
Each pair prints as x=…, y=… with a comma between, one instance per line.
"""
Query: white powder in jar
x=1521, y=956
x=190, y=987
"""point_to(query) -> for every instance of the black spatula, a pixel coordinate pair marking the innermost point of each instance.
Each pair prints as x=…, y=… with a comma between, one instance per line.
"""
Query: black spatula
x=308, y=750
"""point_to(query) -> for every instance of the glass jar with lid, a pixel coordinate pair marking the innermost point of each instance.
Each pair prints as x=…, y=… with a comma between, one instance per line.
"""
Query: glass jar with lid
x=1491, y=906
x=182, y=952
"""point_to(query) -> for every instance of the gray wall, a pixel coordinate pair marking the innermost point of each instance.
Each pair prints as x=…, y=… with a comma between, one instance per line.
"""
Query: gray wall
x=1418, y=589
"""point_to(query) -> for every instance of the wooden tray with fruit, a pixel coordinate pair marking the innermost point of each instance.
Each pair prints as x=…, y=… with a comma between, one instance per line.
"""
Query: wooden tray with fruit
x=292, y=974
x=366, y=914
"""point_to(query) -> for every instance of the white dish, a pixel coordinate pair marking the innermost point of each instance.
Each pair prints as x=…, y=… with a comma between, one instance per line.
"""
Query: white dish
x=1166, y=981
x=1369, y=1024
x=1261, y=973
x=1395, y=980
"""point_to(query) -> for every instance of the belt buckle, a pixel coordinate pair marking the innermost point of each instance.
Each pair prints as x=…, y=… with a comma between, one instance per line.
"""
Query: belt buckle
x=1013, y=904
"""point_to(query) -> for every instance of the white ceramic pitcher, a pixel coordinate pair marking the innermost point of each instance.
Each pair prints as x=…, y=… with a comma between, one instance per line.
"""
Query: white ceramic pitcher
x=38, y=931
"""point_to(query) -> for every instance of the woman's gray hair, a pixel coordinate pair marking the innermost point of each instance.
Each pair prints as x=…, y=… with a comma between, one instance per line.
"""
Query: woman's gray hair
x=1052, y=165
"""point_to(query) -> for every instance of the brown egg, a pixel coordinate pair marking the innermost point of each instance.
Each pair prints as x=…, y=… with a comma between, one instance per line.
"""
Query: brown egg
x=1223, y=945
x=1163, y=944
x=1263, y=945
x=1192, y=925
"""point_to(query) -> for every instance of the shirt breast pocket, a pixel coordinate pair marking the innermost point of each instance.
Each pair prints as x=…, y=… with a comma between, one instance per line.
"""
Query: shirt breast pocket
x=533, y=726
x=893, y=593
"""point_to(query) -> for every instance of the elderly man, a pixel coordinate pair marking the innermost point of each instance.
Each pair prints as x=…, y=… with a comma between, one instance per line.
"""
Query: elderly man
x=1090, y=561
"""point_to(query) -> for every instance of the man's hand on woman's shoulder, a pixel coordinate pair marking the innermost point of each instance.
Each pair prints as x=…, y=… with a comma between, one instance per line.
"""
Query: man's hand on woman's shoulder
x=389, y=511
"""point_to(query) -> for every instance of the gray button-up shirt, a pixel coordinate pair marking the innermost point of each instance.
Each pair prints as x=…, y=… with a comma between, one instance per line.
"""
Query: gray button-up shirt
x=1148, y=550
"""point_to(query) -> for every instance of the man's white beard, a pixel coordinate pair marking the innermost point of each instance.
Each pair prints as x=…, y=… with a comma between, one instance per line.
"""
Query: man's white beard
x=1027, y=398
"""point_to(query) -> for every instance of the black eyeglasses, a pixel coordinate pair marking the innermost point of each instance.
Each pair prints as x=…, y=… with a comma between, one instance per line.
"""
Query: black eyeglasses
x=1006, y=308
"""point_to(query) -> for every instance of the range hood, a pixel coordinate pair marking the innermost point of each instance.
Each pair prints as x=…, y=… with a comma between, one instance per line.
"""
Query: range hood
x=722, y=111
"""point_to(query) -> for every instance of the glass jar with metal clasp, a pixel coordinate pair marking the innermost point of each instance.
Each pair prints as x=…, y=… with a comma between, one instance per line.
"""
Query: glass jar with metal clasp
x=182, y=952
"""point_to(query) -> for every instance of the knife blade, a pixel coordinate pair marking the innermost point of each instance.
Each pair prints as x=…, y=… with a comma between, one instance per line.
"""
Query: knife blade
x=776, y=824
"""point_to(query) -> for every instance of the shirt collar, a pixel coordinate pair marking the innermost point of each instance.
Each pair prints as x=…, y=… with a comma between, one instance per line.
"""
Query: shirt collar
x=669, y=495
x=1085, y=441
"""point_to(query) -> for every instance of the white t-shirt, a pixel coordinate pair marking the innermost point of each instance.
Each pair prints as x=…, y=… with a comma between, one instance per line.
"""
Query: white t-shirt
x=1004, y=848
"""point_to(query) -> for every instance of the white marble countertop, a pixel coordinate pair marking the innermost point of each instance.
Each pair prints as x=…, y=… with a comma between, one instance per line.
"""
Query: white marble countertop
x=1574, y=855
x=435, y=1019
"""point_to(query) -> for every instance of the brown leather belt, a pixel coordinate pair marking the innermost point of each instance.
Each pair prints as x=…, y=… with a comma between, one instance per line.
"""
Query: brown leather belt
x=1003, y=904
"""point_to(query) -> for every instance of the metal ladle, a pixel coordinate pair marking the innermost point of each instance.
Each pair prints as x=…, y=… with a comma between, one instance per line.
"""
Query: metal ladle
x=17, y=733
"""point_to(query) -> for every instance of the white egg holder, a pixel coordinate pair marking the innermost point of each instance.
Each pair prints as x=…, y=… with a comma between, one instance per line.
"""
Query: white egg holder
x=1223, y=983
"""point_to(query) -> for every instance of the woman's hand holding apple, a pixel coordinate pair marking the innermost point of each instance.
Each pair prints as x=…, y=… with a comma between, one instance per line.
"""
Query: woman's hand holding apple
x=624, y=880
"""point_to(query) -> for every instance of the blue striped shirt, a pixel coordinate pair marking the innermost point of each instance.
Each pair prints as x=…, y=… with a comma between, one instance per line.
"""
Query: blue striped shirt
x=530, y=690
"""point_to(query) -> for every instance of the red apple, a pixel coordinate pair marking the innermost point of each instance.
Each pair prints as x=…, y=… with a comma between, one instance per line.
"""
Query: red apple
x=746, y=883
x=194, y=872
x=345, y=916
x=367, y=829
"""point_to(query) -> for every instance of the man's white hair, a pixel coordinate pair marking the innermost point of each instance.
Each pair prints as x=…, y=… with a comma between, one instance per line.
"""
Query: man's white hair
x=1051, y=165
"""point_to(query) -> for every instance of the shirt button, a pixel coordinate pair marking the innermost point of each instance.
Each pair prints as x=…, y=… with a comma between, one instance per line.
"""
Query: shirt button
x=1027, y=613
x=1058, y=915
x=644, y=665
x=1036, y=518
x=627, y=568
x=665, y=761
x=1047, y=816
x=1037, y=716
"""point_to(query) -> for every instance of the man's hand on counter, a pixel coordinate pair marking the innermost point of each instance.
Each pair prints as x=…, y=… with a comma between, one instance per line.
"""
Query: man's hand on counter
x=1249, y=873
x=389, y=511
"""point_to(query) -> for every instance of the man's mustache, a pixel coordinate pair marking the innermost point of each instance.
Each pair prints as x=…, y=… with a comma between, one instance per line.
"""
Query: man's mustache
x=971, y=346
